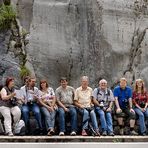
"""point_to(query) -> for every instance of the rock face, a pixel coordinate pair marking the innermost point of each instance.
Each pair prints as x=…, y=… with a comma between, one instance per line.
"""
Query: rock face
x=99, y=38
x=9, y=63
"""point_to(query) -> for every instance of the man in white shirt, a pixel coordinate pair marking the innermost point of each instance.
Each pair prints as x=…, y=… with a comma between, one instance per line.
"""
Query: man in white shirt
x=83, y=100
x=30, y=95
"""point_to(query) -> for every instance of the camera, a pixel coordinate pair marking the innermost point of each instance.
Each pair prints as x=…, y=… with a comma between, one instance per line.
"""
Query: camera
x=14, y=101
x=101, y=104
x=142, y=104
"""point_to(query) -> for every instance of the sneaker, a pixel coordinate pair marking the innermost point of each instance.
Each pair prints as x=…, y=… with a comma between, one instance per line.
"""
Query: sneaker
x=133, y=133
x=73, y=133
x=104, y=133
x=143, y=134
x=51, y=132
x=97, y=132
x=9, y=134
x=111, y=134
x=61, y=134
x=84, y=133
x=121, y=132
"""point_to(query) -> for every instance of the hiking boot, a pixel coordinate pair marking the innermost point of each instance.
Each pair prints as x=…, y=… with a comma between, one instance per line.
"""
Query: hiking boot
x=121, y=132
x=104, y=133
x=61, y=134
x=73, y=133
x=133, y=133
x=84, y=133
x=111, y=134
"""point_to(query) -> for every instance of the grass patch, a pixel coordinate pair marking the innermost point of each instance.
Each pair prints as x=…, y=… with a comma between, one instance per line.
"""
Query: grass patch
x=7, y=15
x=24, y=72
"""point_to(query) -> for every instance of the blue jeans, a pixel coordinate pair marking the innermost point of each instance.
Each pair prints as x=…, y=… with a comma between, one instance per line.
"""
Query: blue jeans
x=73, y=115
x=26, y=108
x=105, y=119
x=87, y=115
x=142, y=116
x=49, y=117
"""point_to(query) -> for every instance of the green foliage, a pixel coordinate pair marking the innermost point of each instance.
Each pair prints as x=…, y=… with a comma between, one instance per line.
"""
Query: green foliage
x=7, y=15
x=24, y=72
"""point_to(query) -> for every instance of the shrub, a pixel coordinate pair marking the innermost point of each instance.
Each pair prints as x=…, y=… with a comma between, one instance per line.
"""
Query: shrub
x=24, y=72
x=7, y=15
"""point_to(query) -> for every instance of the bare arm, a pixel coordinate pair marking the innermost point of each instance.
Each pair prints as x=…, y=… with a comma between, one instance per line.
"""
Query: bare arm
x=4, y=95
x=111, y=104
x=130, y=103
x=95, y=102
x=117, y=103
x=45, y=105
x=42, y=103
x=62, y=105
x=53, y=101
x=78, y=104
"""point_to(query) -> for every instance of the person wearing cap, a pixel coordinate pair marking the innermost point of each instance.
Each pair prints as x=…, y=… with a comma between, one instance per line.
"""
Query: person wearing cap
x=103, y=99
x=83, y=101
x=123, y=102
x=8, y=109
x=140, y=101
x=65, y=100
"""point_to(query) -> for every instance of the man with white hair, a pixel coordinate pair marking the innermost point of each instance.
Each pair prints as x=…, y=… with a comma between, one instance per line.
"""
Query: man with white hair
x=83, y=100
x=103, y=99
x=123, y=101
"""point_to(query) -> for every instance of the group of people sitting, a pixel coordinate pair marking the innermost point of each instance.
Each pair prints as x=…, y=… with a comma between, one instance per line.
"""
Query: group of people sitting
x=92, y=105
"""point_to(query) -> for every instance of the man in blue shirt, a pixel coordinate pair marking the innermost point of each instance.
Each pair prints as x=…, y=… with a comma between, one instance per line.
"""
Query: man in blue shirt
x=123, y=101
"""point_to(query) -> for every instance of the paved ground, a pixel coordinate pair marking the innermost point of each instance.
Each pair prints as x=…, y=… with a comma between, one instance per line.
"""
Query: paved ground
x=59, y=139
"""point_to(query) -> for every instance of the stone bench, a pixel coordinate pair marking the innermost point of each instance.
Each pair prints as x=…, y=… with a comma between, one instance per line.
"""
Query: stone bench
x=34, y=125
x=73, y=139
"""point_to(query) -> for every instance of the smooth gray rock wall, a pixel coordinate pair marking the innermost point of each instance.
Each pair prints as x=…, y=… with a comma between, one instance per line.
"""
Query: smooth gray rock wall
x=95, y=38
x=99, y=38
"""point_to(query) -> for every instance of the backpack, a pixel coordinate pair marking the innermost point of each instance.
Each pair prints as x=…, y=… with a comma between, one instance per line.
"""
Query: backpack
x=91, y=131
x=98, y=92
x=20, y=128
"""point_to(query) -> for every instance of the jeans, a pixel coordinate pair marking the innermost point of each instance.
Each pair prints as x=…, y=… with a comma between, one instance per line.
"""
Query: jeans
x=105, y=119
x=49, y=117
x=87, y=115
x=26, y=108
x=142, y=116
x=73, y=115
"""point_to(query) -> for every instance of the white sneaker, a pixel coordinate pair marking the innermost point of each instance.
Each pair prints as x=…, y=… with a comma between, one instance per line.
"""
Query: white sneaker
x=73, y=133
x=61, y=134
x=10, y=134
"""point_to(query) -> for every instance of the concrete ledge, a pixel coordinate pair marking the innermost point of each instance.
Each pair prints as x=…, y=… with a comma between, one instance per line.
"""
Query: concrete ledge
x=59, y=139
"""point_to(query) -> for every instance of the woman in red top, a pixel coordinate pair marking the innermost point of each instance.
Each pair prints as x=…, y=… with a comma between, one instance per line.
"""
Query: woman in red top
x=140, y=100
